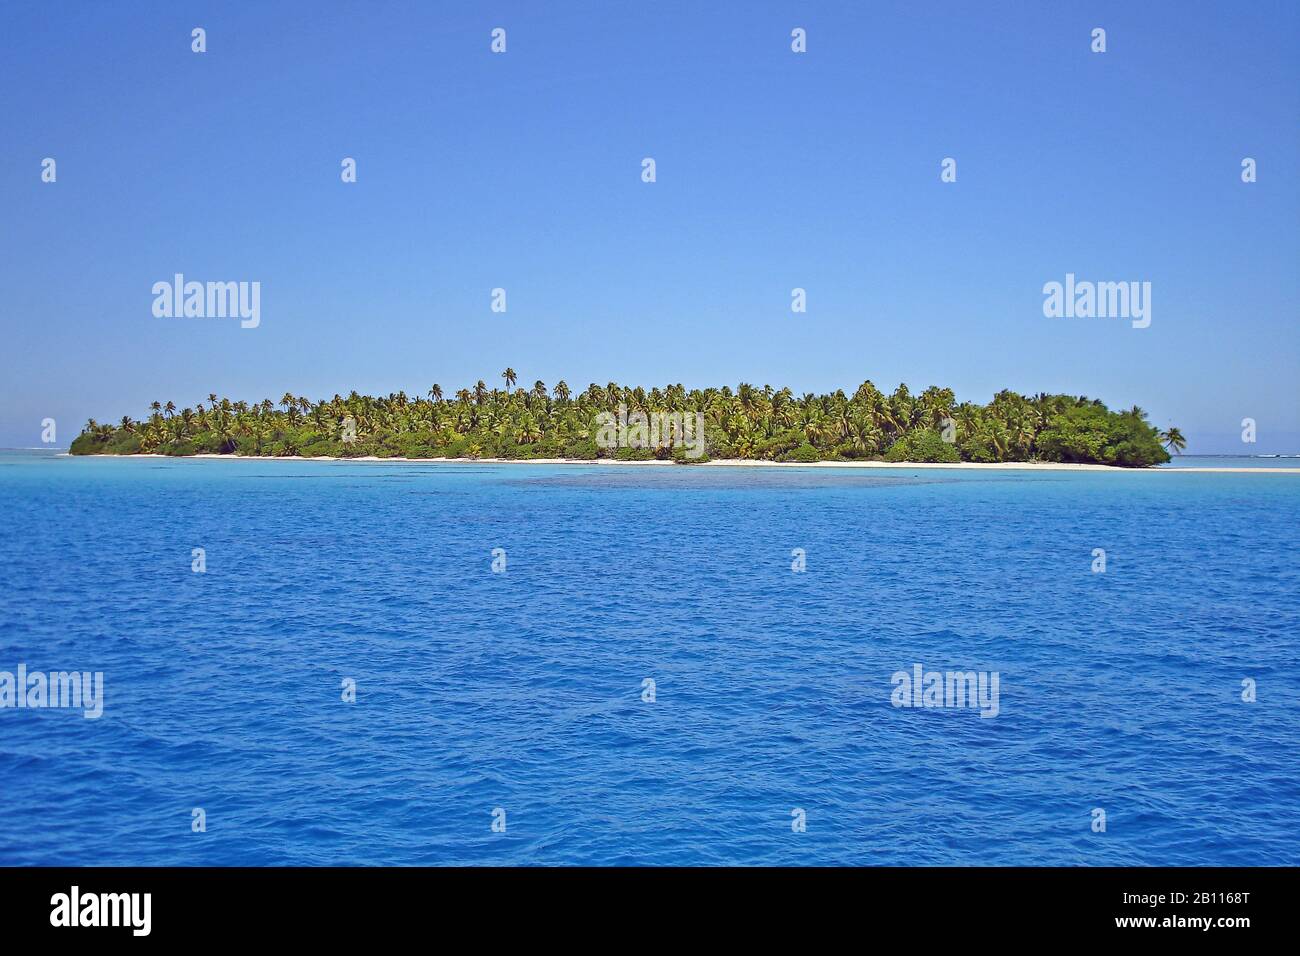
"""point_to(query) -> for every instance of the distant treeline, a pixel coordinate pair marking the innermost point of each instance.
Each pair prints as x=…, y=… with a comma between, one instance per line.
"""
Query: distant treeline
x=745, y=422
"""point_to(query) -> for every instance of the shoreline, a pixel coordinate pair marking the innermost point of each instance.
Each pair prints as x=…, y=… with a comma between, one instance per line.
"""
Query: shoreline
x=735, y=463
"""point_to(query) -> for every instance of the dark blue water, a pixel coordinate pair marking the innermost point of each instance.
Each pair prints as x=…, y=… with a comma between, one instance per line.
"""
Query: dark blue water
x=1233, y=461
x=523, y=690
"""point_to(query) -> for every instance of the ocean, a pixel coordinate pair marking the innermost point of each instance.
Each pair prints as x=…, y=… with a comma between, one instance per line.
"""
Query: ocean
x=1233, y=461
x=643, y=678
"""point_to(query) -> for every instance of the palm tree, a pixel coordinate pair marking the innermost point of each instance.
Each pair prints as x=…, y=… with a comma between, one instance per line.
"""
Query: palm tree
x=747, y=421
x=527, y=431
x=994, y=435
x=866, y=435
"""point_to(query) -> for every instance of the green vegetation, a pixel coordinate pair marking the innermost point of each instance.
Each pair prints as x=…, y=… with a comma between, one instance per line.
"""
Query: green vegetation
x=748, y=422
x=1174, y=439
x=922, y=444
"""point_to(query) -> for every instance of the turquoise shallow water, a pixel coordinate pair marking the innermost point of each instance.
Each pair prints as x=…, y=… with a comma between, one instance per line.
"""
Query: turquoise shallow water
x=523, y=690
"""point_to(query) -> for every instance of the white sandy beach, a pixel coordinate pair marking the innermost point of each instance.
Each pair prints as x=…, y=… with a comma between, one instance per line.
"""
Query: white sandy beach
x=748, y=463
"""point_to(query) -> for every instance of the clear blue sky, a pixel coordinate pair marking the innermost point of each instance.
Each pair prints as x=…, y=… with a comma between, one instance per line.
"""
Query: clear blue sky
x=775, y=170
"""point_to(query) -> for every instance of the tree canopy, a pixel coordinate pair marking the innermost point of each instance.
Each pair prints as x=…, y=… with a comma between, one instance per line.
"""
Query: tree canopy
x=747, y=422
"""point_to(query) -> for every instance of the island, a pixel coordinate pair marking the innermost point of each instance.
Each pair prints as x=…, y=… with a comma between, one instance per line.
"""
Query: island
x=670, y=423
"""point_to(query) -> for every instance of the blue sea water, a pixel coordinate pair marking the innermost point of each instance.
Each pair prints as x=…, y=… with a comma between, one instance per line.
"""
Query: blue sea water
x=523, y=690
x=1233, y=461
